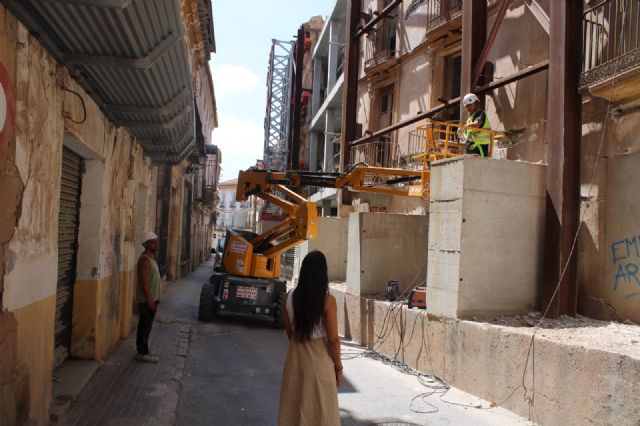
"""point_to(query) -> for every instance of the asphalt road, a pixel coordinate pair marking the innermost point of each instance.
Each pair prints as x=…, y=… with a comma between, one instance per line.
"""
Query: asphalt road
x=234, y=368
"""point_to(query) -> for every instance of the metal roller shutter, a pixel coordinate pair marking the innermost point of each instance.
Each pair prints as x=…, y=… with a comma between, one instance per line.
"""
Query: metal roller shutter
x=67, y=248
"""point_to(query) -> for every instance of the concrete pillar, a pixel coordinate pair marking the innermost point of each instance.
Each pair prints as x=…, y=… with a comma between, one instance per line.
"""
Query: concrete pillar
x=486, y=233
x=332, y=59
x=317, y=79
x=328, y=137
x=326, y=208
x=313, y=151
x=384, y=247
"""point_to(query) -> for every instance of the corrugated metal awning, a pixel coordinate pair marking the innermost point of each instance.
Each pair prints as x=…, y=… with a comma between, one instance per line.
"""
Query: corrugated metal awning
x=131, y=56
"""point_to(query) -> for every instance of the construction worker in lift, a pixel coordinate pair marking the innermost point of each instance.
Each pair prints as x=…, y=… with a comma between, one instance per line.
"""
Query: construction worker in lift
x=478, y=142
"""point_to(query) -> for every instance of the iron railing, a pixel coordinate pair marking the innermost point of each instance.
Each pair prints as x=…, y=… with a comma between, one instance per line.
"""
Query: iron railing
x=440, y=11
x=378, y=153
x=611, y=35
x=381, y=43
x=209, y=195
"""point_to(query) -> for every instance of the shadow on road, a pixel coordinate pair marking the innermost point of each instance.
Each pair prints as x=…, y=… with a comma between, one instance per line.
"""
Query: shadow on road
x=348, y=419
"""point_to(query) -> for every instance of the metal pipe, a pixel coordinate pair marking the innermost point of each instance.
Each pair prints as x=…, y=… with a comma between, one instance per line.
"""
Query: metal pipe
x=369, y=25
x=541, y=66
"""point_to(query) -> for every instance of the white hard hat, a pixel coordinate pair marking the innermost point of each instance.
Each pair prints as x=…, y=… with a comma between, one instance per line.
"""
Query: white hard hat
x=469, y=99
x=148, y=236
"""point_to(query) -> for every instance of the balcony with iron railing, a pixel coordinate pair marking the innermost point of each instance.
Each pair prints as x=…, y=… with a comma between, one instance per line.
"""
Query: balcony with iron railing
x=440, y=12
x=611, y=49
x=381, y=46
x=209, y=196
x=377, y=153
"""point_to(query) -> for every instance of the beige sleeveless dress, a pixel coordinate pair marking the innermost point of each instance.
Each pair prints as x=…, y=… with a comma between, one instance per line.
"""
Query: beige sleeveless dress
x=308, y=396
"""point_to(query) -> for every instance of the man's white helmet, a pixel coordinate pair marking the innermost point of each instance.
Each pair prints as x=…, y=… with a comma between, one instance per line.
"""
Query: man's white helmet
x=148, y=236
x=470, y=99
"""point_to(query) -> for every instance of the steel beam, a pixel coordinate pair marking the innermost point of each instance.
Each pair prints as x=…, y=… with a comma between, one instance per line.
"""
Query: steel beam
x=539, y=67
x=110, y=4
x=477, y=70
x=422, y=116
x=143, y=63
x=169, y=125
x=559, y=292
x=384, y=12
x=474, y=30
x=350, y=91
x=534, y=69
x=165, y=109
x=538, y=12
x=294, y=149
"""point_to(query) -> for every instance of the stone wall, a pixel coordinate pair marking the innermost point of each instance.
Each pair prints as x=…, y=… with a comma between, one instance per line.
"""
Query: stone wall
x=332, y=242
x=384, y=247
x=583, y=375
x=49, y=116
x=486, y=237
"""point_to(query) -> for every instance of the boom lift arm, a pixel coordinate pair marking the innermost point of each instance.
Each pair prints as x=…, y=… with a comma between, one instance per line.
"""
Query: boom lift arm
x=302, y=221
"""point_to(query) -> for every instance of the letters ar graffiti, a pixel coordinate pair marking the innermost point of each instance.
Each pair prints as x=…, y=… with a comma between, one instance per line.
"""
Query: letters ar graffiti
x=625, y=255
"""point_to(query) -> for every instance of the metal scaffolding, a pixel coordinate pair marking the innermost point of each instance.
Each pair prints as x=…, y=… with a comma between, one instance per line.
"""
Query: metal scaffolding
x=278, y=113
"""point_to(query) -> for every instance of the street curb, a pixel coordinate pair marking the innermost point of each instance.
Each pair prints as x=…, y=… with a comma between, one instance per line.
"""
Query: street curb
x=170, y=400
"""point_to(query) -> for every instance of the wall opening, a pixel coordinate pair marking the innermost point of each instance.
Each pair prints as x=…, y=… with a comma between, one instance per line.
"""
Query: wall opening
x=68, y=225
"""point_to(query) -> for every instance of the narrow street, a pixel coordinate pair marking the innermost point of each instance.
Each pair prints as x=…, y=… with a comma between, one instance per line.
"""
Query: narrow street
x=231, y=376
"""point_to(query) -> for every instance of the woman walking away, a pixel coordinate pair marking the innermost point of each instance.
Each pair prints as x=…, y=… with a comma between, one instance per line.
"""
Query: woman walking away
x=313, y=369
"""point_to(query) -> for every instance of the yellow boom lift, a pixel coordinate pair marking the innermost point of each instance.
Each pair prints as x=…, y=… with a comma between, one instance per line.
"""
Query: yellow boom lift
x=248, y=279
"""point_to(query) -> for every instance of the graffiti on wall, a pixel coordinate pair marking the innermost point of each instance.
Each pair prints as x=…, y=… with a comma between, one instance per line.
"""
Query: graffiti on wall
x=625, y=255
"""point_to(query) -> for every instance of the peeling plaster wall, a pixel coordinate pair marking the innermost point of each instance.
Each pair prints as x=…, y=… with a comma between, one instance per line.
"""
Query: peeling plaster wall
x=30, y=173
x=29, y=186
x=176, y=210
x=520, y=106
x=609, y=239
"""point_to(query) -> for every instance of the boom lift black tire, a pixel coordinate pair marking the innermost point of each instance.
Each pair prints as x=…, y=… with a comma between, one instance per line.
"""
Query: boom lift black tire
x=279, y=313
x=205, y=310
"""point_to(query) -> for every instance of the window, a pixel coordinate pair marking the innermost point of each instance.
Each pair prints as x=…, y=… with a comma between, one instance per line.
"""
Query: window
x=452, y=71
x=386, y=107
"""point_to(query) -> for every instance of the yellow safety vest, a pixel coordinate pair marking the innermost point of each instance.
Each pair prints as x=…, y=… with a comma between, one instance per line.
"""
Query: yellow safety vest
x=476, y=137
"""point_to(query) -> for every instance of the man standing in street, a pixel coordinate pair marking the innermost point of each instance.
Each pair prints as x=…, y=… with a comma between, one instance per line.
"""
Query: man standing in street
x=478, y=142
x=148, y=294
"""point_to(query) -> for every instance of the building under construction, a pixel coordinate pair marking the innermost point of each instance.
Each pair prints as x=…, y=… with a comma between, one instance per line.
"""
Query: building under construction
x=546, y=227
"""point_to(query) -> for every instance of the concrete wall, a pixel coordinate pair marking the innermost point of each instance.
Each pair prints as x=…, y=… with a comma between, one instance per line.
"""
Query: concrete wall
x=332, y=241
x=385, y=247
x=607, y=256
x=30, y=184
x=486, y=234
x=521, y=106
x=622, y=241
x=489, y=360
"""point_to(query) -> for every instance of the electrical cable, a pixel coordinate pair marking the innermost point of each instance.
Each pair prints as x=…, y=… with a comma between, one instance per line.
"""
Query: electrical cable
x=84, y=108
x=437, y=385
x=530, y=392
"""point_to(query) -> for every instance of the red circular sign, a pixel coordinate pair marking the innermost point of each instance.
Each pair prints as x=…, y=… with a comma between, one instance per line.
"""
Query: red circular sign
x=7, y=107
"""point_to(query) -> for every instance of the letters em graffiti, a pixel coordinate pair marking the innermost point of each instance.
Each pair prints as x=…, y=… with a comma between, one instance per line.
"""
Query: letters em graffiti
x=625, y=255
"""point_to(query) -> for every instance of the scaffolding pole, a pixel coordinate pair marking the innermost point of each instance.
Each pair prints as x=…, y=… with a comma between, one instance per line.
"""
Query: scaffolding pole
x=278, y=112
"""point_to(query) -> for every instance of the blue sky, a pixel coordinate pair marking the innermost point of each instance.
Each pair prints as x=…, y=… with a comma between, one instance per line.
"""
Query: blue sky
x=243, y=31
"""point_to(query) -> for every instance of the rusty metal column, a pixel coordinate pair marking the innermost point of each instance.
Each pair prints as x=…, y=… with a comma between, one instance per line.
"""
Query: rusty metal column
x=563, y=156
x=474, y=34
x=350, y=92
x=294, y=148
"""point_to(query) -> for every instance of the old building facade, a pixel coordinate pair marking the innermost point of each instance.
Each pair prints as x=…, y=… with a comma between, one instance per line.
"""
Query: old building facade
x=97, y=141
x=411, y=64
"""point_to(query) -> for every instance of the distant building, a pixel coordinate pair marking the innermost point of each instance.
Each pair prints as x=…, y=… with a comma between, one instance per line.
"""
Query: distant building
x=232, y=213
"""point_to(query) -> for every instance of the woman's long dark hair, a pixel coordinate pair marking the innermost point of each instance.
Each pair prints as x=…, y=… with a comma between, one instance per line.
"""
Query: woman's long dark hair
x=309, y=295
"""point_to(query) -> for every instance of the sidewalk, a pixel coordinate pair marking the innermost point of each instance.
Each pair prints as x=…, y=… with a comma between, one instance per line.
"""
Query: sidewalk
x=126, y=392
x=232, y=374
